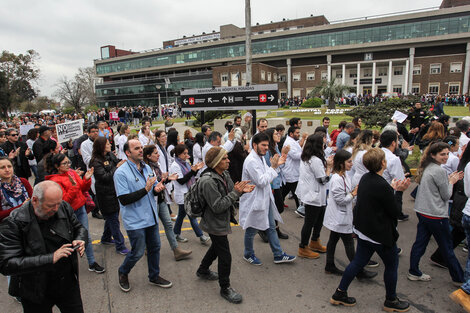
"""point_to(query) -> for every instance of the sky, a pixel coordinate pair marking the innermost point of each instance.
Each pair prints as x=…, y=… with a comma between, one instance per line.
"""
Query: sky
x=68, y=34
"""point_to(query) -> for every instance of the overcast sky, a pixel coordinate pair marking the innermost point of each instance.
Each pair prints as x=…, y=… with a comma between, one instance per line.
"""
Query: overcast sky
x=68, y=34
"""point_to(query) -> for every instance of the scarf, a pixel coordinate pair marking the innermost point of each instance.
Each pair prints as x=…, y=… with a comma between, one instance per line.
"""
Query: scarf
x=156, y=168
x=185, y=168
x=13, y=193
x=165, y=155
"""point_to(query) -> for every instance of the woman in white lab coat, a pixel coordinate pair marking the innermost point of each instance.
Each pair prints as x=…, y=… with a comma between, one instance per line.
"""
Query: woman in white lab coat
x=362, y=145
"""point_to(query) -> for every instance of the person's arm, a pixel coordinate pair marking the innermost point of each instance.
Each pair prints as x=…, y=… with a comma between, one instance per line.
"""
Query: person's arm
x=295, y=151
x=257, y=176
x=86, y=152
x=183, y=180
x=339, y=193
x=319, y=171
x=228, y=145
x=214, y=199
x=125, y=196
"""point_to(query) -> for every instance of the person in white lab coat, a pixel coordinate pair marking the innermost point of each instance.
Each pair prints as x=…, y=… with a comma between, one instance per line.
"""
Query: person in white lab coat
x=362, y=145
x=257, y=209
x=125, y=131
x=163, y=162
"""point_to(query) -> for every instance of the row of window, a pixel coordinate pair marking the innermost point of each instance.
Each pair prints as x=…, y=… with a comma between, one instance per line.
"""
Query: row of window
x=370, y=33
x=455, y=67
x=435, y=88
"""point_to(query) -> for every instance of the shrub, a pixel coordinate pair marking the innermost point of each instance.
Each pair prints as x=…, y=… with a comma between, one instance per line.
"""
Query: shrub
x=312, y=103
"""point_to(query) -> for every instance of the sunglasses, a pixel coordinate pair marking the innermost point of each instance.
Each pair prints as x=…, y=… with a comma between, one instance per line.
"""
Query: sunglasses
x=13, y=135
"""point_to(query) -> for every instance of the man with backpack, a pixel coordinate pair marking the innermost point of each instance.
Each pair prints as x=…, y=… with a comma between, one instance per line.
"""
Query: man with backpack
x=218, y=194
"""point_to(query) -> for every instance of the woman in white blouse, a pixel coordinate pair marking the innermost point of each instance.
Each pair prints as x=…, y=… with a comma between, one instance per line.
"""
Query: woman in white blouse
x=197, y=148
x=146, y=137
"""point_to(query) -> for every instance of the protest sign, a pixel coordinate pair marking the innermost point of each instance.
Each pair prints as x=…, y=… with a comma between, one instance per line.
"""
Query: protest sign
x=69, y=130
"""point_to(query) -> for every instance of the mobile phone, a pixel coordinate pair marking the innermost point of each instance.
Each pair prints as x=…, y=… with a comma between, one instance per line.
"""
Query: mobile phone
x=229, y=128
x=75, y=247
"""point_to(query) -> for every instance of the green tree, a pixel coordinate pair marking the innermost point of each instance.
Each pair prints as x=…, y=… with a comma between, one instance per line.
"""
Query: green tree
x=210, y=116
x=17, y=74
x=330, y=90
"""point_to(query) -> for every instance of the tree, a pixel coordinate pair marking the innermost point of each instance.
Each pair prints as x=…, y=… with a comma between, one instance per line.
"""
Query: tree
x=330, y=90
x=17, y=73
x=79, y=91
x=38, y=104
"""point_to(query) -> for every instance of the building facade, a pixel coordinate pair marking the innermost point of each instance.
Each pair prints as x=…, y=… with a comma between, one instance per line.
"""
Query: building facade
x=423, y=52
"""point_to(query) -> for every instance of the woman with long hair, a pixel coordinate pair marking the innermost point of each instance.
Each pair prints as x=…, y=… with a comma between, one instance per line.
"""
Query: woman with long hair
x=171, y=142
x=431, y=206
x=105, y=164
x=237, y=156
x=186, y=177
x=50, y=147
x=151, y=157
x=362, y=145
x=73, y=192
x=146, y=137
x=436, y=132
x=314, y=175
x=189, y=142
x=197, y=148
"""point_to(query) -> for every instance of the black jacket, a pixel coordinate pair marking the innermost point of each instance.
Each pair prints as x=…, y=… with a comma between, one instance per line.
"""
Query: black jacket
x=375, y=213
x=38, y=148
x=21, y=168
x=104, y=183
x=23, y=251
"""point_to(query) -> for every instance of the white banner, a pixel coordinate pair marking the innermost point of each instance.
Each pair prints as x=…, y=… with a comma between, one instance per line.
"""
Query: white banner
x=69, y=130
x=24, y=129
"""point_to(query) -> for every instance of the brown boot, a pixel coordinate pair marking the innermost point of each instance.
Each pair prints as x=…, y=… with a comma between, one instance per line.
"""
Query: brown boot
x=307, y=253
x=461, y=297
x=181, y=254
x=316, y=246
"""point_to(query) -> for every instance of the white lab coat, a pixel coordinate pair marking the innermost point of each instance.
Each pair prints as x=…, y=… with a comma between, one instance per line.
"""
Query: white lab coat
x=121, y=154
x=358, y=168
x=309, y=190
x=339, y=214
x=180, y=190
x=254, y=206
x=394, y=168
x=292, y=165
x=164, y=168
x=197, y=153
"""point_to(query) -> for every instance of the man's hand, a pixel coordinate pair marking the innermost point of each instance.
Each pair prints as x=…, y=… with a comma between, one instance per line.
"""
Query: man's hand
x=89, y=173
x=197, y=167
x=240, y=186
x=231, y=135
x=150, y=183
x=27, y=152
x=159, y=187
x=173, y=176
x=400, y=185
x=275, y=161
x=63, y=252
x=248, y=188
x=80, y=243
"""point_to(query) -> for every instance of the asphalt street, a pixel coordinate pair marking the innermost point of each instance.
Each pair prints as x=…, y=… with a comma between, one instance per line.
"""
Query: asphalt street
x=301, y=286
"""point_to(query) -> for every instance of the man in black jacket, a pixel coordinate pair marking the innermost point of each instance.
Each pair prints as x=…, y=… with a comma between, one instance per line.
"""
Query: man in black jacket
x=20, y=162
x=40, y=144
x=37, y=249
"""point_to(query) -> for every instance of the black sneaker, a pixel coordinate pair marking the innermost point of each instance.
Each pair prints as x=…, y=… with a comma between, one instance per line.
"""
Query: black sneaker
x=281, y=235
x=97, y=215
x=332, y=269
x=396, y=305
x=124, y=282
x=366, y=274
x=263, y=236
x=95, y=267
x=341, y=298
x=403, y=217
x=372, y=264
x=209, y=275
x=231, y=295
x=438, y=263
x=161, y=282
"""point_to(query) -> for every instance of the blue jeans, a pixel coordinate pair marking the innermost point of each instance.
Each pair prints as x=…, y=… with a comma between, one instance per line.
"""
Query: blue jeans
x=364, y=251
x=439, y=229
x=466, y=227
x=140, y=239
x=273, y=239
x=179, y=222
x=83, y=219
x=112, y=229
x=165, y=218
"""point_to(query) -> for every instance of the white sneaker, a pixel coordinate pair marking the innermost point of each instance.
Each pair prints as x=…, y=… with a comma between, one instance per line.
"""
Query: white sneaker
x=423, y=277
x=181, y=239
x=204, y=239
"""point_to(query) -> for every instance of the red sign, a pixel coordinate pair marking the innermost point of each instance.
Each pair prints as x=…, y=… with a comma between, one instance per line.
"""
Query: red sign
x=263, y=98
x=191, y=101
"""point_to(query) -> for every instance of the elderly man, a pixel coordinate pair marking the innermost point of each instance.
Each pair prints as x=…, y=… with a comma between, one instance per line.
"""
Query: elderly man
x=38, y=245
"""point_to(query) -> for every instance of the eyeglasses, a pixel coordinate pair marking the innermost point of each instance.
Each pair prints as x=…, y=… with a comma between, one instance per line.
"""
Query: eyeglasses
x=13, y=135
x=66, y=163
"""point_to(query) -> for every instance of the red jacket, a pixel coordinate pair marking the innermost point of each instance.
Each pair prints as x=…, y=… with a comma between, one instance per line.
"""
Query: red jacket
x=29, y=189
x=72, y=192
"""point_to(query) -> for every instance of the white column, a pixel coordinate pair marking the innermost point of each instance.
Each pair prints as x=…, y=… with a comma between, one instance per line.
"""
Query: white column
x=328, y=61
x=390, y=72
x=412, y=65
x=407, y=71
x=358, y=85
x=343, y=79
x=466, y=72
x=289, y=78
x=374, y=66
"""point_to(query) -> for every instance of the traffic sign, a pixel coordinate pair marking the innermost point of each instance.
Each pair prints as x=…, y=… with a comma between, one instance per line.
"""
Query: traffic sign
x=230, y=98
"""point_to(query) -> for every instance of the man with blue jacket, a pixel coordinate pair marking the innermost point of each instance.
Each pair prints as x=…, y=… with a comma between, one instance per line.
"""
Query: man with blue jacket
x=135, y=188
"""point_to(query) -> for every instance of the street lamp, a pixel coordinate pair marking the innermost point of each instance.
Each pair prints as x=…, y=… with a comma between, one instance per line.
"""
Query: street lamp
x=159, y=118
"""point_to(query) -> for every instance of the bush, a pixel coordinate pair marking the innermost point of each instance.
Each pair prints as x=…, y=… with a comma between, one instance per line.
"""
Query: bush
x=210, y=116
x=312, y=103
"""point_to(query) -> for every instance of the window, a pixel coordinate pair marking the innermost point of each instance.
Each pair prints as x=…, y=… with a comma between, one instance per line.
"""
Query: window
x=308, y=91
x=352, y=73
x=397, y=88
x=263, y=75
x=398, y=70
x=243, y=76
x=283, y=78
x=417, y=69
x=311, y=76
x=274, y=77
x=456, y=67
x=283, y=93
x=296, y=77
x=433, y=88
x=367, y=72
x=415, y=89
x=454, y=88
x=234, y=79
x=383, y=71
x=224, y=77
x=269, y=76
x=339, y=74
x=324, y=75
x=435, y=68
x=296, y=92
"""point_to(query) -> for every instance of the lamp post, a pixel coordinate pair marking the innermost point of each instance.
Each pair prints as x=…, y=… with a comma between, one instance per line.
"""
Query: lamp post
x=159, y=118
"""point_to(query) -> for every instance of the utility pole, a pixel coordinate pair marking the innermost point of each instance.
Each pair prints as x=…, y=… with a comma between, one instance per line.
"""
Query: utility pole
x=248, y=54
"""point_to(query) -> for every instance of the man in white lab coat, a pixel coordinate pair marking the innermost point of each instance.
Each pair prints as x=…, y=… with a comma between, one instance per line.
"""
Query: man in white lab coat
x=257, y=209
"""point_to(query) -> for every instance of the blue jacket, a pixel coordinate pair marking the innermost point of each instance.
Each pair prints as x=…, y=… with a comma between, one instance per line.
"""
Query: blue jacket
x=128, y=179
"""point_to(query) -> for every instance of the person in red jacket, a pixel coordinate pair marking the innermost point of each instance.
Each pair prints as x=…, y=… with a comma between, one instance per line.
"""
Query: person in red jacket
x=14, y=190
x=74, y=188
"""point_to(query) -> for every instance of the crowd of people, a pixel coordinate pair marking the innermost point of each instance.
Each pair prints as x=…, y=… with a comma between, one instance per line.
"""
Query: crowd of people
x=350, y=180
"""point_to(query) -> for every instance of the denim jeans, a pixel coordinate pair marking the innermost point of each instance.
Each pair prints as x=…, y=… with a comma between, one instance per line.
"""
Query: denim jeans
x=365, y=249
x=179, y=222
x=466, y=227
x=439, y=229
x=112, y=229
x=272, y=237
x=164, y=215
x=140, y=239
x=83, y=218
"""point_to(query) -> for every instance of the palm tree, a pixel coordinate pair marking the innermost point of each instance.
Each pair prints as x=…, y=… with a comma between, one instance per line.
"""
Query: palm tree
x=330, y=90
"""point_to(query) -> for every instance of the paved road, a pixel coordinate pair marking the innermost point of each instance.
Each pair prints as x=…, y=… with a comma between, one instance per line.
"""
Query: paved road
x=299, y=287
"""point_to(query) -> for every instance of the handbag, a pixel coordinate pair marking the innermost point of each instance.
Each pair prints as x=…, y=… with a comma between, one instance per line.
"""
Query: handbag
x=89, y=204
